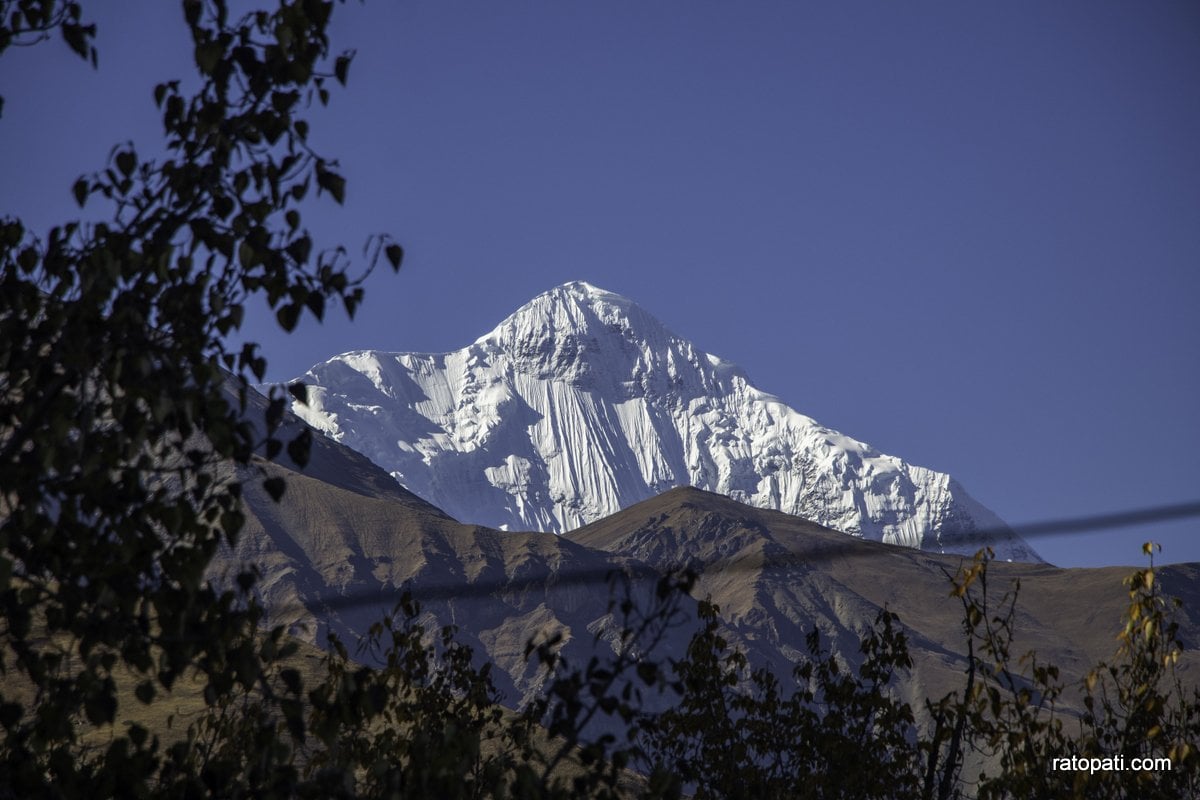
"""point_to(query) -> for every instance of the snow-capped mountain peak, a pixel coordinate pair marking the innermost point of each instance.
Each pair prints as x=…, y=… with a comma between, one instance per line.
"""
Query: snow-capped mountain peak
x=577, y=306
x=581, y=403
x=576, y=331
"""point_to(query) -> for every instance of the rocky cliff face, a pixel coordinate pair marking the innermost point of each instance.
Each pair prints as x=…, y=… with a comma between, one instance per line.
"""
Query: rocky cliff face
x=581, y=403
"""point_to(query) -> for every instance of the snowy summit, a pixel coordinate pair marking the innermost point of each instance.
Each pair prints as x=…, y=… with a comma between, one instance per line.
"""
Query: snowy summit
x=581, y=403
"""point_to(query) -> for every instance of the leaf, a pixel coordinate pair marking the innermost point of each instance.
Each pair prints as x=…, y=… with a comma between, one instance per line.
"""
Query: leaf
x=274, y=412
x=126, y=162
x=395, y=254
x=300, y=249
x=299, y=391
x=341, y=66
x=291, y=679
x=287, y=316
x=647, y=672
x=246, y=580
x=81, y=191
x=138, y=735
x=76, y=37
x=275, y=487
x=333, y=183
x=316, y=303
x=145, y=692
x=27, y=259
x=248, y=255
x=10, y=714
x=173, y=111
x=100, y=707
x=300, y=448
x=208, y=55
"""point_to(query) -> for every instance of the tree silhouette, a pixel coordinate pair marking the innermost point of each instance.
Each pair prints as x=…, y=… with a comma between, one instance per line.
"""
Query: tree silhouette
x=122, y=410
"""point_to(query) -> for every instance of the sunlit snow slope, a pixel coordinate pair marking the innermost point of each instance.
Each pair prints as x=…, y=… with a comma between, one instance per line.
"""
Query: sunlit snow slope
x=581, y=403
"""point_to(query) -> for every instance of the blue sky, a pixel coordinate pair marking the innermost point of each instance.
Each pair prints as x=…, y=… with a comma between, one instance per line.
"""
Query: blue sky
x=966, y=233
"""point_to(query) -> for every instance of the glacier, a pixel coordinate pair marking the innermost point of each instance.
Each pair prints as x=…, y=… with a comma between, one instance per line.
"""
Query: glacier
x=581, y=403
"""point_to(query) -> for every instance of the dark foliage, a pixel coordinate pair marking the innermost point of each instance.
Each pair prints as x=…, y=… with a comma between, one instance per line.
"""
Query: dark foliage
x=121, y=409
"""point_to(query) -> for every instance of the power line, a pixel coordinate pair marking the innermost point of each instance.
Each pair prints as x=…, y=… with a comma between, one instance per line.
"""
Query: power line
x=820, y=551
x=1119, y=519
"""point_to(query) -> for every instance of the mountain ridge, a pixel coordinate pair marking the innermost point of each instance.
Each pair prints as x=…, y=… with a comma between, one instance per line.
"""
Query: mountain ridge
x=334, y=558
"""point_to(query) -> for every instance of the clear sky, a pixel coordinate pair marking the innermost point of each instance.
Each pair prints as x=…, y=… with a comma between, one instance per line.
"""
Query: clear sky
x=966, y=233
